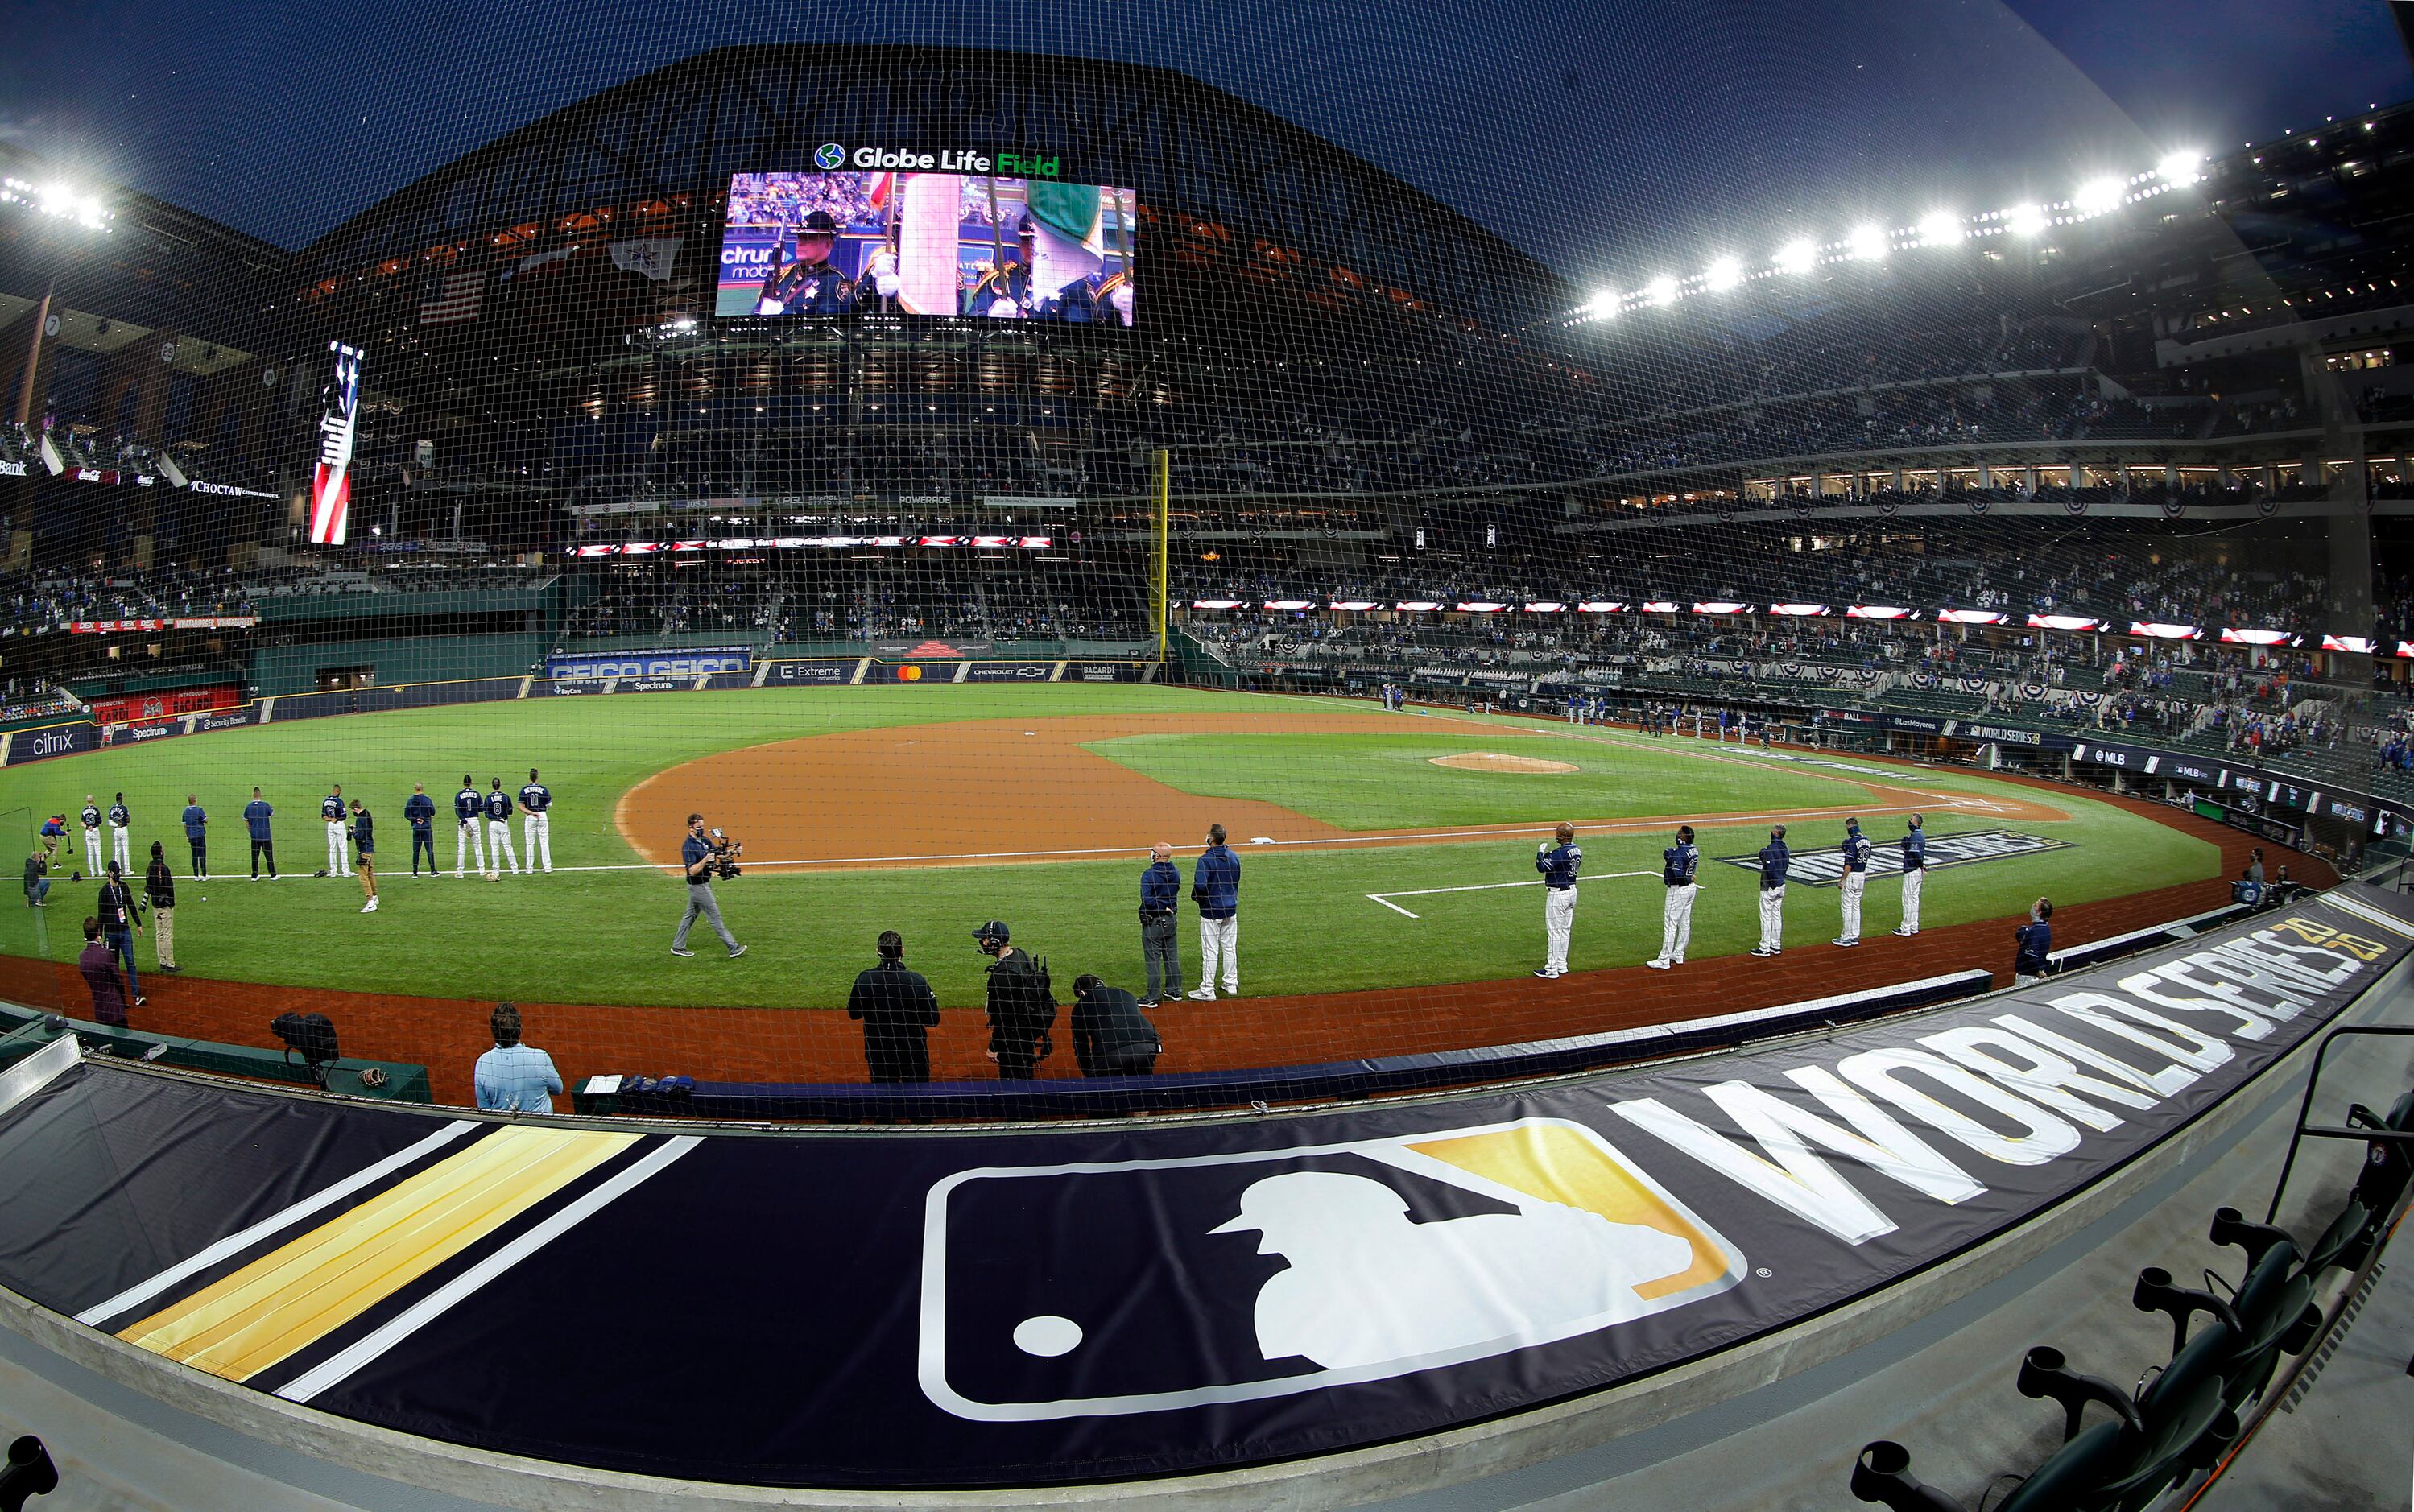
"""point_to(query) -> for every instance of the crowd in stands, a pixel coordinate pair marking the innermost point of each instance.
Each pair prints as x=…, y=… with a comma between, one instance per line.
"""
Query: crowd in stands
x=43, y=601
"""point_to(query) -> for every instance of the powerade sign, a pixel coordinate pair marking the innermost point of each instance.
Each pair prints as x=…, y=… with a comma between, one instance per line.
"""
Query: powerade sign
x=688, y=663
x=1825, y=868
x=810, y=674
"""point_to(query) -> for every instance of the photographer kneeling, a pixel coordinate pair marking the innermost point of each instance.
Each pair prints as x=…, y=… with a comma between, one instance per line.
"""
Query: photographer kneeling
x=704, y=859
x=1112, y=1037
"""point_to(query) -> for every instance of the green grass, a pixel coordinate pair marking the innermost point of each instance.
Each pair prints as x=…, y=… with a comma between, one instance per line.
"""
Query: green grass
x=1388, y=781
x=1307, y=924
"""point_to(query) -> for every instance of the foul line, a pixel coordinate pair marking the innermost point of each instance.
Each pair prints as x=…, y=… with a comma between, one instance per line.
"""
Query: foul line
x=1385, y=898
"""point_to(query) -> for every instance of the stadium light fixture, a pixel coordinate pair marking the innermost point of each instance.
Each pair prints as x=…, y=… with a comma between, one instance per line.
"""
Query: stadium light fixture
x=1722, y=273
x=61, y=201
x=2181, y=167
x=1867, y=244
x=1604, y=304
x=1798, y=256
x=2025, y=220
x=2098, y=196
x=1940, y=229
x=1662, y=290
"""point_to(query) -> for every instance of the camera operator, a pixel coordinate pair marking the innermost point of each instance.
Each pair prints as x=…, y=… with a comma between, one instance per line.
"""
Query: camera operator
x=702, y=861
x=1021, y=1008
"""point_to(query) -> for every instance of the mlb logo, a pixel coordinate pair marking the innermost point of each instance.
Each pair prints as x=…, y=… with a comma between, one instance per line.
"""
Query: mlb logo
x=1095, y=1289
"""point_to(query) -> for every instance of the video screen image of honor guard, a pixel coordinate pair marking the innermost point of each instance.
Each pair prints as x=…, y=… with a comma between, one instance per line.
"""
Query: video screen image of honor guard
x=874, y=756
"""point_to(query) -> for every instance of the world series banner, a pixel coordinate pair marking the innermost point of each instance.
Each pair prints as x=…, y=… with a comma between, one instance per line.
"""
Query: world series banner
x=1036, y=1308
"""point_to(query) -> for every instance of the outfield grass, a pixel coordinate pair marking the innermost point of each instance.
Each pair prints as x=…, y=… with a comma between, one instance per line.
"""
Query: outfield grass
x=1388, y=781
x=1306, y=923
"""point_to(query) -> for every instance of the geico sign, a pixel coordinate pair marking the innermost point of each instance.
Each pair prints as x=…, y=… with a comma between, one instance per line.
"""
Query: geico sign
x=695, y=666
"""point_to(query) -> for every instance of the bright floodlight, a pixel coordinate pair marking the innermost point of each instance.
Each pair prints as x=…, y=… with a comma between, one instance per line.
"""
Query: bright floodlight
x=1797, y=256
x=1604, y=304
x=2180, y=167
x=2024, y=220
x=1943, y=229
x=1724, y=273
x=1662, y=290
x=1867, y=242
x=2096, y=196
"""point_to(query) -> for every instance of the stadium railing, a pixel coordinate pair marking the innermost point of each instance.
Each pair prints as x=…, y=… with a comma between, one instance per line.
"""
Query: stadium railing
x=2190, y=1415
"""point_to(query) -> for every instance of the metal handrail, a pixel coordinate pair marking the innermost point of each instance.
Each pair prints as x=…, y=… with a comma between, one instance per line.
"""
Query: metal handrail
x=2305, y=1107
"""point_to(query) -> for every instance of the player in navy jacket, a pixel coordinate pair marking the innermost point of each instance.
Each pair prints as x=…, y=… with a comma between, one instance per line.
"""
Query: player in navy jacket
x=365, y=841
x=468, y=809
x=1857, y=850
x=256, y=815
x=1915, y=869
x=1160, y=909
x=1775, y=861
x=197, y=835
x=499, y=829
x=536, y=826
x=1678, y=866
x=419, y=812
x=1215, y=887
x=91, y=818
x=2033, y=942
x=1558, y=865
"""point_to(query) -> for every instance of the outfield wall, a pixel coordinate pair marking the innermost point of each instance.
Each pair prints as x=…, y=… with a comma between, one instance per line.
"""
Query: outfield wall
x=1309, y=1299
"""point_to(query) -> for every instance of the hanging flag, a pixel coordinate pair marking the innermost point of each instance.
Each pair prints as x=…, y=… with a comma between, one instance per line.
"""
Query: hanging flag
x=530, y=265
x=450, y=298
x=651, y=256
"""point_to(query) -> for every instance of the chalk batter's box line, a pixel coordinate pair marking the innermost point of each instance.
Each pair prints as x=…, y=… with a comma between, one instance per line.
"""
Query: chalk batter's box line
x=1385, y=898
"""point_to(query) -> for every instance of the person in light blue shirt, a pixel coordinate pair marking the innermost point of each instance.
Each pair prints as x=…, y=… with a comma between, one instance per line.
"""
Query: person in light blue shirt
x=514, y=1077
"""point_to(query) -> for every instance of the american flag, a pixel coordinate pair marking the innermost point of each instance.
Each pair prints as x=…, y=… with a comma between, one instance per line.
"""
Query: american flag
x=452, y=297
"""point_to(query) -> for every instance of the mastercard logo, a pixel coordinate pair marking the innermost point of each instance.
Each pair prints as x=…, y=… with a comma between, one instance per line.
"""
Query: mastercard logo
x=909, y=674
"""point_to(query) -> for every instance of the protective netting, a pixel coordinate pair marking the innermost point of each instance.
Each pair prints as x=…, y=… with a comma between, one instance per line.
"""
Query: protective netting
x=1000, y=444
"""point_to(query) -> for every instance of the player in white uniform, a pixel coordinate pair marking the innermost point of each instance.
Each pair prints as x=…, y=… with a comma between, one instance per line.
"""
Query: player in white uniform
x=1855, y=878
x=1914, y=870
x=499, y=829
x=1559, y=867
x=1678, y=866
x=468, y=809
x=330, y=808
x=91, y=817
x=536, y=823
x=121, y=836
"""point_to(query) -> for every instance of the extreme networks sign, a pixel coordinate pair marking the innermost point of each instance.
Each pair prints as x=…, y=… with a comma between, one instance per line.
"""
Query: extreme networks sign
x=1826, y=867
x=1025, y=1307
x=690, y=663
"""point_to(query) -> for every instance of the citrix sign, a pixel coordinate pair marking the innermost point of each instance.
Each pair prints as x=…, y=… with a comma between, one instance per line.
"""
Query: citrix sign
x=830, y=156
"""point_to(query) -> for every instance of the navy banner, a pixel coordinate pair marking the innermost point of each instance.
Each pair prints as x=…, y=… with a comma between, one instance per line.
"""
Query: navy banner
x=1021, y=1307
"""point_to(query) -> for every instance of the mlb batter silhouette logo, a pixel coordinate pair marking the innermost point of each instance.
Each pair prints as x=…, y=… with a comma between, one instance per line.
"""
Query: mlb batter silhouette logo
x=1082, y=1290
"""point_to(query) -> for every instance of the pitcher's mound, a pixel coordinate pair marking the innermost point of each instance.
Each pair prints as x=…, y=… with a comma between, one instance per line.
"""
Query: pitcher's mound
x=1491, y=760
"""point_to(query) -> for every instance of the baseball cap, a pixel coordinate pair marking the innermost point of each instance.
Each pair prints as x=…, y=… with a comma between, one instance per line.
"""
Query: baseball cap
x=994, y=929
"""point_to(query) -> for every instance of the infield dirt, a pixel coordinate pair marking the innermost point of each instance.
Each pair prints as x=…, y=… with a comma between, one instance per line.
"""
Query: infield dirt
x=981, y=791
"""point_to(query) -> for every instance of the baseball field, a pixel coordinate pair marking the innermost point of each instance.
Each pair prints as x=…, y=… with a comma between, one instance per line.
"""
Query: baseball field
x=1380, y=849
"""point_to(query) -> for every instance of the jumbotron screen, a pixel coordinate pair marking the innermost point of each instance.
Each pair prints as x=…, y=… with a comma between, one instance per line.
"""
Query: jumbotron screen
x=916, y=241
